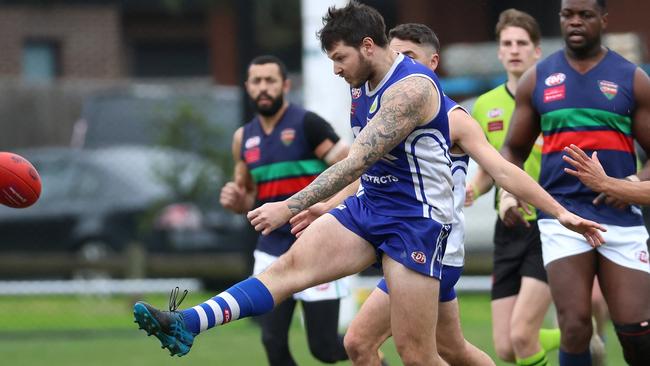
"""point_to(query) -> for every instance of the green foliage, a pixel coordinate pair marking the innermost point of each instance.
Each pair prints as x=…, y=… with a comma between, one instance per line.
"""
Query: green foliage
x=188, y=130
x=189, y=179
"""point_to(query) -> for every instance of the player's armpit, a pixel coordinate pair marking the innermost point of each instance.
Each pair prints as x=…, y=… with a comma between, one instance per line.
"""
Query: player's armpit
x=404, y=106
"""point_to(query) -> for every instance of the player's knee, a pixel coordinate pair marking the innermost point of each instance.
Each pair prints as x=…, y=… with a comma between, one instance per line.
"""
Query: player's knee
x=521, y=338
x=576, y=333
x=411, y=353
x=635, y=341
x=354, y=344
x=283, y=264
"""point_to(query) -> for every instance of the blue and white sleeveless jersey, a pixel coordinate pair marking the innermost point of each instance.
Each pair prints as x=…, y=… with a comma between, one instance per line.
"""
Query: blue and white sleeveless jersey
x=455, y=251
x=413, y=179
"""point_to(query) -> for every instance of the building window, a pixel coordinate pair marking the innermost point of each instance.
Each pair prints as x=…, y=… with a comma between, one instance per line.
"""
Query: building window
x=40, y=60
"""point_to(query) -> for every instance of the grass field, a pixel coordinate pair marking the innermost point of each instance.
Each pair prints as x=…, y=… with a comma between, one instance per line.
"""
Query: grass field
x=88, y=330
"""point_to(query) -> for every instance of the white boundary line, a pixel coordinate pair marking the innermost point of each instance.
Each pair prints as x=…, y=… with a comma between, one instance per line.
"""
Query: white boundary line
x=97, y=286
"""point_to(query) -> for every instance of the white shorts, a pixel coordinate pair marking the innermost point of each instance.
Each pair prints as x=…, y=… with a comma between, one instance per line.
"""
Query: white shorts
x=624, y=245
x=327, y=291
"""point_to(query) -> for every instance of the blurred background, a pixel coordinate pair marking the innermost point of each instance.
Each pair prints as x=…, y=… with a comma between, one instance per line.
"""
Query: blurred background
x=127, y=109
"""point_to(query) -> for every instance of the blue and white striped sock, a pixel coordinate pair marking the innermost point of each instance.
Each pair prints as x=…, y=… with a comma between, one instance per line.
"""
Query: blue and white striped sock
x=247, y=298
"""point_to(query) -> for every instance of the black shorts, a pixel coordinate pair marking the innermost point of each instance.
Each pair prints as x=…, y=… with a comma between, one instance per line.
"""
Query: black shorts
x=517, y=253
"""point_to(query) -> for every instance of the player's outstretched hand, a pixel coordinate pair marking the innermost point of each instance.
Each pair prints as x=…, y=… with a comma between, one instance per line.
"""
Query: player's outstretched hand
x=269, y=216
x=588, y=170
x=300, y=222
x=591, y=173
x=589, y=229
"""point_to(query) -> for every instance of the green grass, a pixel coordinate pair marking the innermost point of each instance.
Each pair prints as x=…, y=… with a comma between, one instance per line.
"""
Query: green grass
x=98, y=331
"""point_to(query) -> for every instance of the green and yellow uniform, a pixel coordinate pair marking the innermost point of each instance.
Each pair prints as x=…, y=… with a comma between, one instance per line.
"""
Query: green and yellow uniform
x=493, y=111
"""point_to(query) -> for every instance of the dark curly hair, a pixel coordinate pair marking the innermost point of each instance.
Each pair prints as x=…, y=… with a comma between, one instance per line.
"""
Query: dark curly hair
x=350, y=25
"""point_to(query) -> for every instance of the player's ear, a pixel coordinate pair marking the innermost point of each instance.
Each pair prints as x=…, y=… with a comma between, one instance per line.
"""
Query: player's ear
x=604, y=20
x=367, y=46
x=435, y=60
x=286, y=85
x=247, y=87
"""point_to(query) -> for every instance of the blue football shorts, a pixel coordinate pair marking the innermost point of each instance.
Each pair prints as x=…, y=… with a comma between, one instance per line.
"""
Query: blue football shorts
x=418, y=243
x=450, y=276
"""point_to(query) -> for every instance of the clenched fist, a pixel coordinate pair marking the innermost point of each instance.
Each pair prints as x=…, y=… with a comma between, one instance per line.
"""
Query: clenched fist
x=233, y=197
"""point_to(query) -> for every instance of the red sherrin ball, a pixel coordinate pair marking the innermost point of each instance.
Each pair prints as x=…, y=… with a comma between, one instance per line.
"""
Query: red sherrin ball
x=20, y=184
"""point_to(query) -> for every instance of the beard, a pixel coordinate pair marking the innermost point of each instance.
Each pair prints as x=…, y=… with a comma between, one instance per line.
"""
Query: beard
x=364, y=72
x=271, y=110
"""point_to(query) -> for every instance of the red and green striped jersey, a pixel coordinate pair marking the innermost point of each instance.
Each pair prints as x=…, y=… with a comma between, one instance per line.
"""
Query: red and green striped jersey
x=593, y=111
x=277, y=181
x=283, y=162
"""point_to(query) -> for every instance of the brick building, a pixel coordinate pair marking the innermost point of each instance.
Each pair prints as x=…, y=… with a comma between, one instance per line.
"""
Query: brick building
x=109, y=39
x=65, y=40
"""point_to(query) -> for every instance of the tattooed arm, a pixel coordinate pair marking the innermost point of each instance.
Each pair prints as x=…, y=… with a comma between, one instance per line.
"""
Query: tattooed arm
x=404, y=106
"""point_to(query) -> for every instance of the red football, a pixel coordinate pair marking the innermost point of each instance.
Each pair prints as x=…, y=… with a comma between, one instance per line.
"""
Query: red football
x=20, y=184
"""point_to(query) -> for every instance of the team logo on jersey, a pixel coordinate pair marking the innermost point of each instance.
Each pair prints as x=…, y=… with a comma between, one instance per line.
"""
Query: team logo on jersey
x=554, y=94
x=495, y=113
x=642, y=256
x=252, y=155
x=555, y=79
x=373, y=106
x=356, y=93
x=252, y=142
x=353, y=108
x=419, y=257
x=287, y=136
x=608, y=88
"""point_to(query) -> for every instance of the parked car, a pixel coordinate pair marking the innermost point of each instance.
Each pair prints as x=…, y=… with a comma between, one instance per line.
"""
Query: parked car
x=124, y=210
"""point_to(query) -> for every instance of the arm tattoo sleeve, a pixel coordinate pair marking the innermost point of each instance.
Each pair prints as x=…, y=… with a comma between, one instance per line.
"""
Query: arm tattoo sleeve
x=403, y=107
